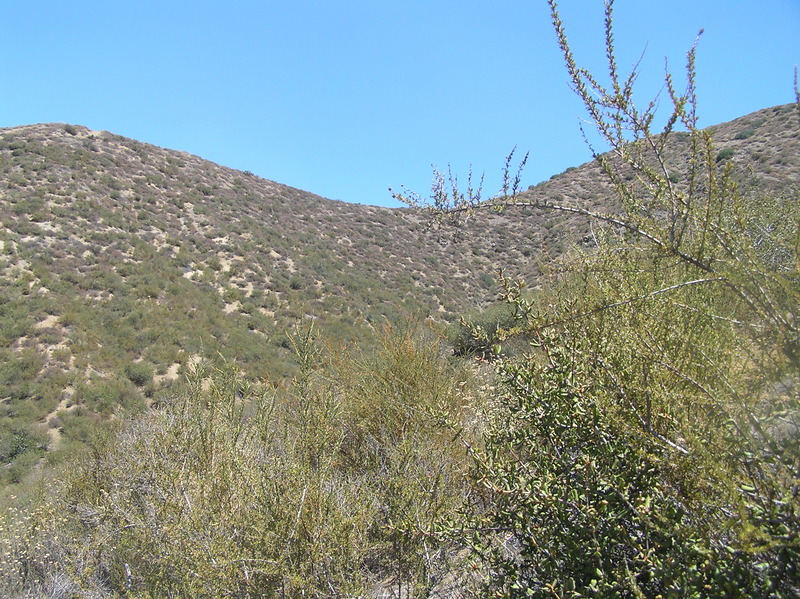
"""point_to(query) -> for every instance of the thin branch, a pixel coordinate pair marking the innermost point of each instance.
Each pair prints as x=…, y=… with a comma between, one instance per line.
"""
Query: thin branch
x=632, y=300
x=645, y=426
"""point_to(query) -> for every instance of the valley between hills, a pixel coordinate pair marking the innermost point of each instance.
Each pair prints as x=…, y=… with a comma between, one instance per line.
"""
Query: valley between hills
x=125, y=268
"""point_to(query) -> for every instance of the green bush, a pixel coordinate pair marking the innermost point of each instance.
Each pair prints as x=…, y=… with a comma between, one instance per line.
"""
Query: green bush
x=725, y=154
x=109, y=396
x=19, y=371
x=17, y=439
x=577, y=499
x=139, y=373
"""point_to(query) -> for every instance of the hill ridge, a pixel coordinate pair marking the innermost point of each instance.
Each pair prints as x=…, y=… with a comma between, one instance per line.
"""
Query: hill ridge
x=120, y=259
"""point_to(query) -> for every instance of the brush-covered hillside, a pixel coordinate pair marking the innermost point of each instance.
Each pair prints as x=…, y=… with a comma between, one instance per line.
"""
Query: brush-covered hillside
x=761, y=147
x=122, y=265
x=118, y=251
x=215, y=385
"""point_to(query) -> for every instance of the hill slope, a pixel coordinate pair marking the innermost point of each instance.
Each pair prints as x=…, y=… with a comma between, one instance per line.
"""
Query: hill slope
x=122, y=263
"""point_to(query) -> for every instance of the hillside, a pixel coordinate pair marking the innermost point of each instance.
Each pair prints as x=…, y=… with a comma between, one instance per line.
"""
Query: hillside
x=762, y=146
x=122, y=264
x=96, y=218
x=171, y=426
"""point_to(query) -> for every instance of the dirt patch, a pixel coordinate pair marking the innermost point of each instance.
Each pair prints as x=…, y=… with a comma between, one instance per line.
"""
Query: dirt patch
x=170, y=375
x=48, y=323
x=65, y=405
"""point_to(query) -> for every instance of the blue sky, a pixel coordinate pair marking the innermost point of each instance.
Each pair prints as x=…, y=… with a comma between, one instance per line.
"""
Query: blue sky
x=348, y=98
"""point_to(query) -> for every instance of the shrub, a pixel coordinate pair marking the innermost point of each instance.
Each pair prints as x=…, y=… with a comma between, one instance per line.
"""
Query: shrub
x=581, y=504
x=725, y=154
x=635, y=450
x=139, y=373
x=109, y=396
x=17, y=439
x=235, y=485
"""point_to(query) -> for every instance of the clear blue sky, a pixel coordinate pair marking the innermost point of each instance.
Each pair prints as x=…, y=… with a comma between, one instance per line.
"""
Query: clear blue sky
x=347, y=98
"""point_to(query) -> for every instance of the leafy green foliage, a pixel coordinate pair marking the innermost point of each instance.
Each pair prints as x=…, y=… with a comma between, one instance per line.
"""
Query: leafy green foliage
x=581, y=503
x=577, y=504
x=479, y=334
x=636, y=450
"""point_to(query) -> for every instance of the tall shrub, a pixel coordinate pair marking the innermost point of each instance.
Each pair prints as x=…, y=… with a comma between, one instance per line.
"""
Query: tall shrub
x=648, y=444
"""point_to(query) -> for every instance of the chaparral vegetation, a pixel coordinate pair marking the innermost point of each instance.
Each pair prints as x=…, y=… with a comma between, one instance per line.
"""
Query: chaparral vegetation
x=200, y=403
